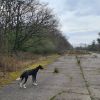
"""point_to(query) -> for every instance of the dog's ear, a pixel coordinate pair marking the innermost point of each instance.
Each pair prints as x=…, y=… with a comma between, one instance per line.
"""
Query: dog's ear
x=41, y=67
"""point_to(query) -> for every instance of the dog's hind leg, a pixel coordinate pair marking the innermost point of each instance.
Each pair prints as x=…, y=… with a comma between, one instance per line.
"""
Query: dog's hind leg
x=21, y=84
x=33, y=78
x=24, y=84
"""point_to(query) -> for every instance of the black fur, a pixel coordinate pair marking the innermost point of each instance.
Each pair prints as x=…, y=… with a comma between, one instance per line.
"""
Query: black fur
x=32, y=72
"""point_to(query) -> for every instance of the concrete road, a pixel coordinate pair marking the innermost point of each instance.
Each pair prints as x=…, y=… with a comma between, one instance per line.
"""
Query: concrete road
x=73, y=82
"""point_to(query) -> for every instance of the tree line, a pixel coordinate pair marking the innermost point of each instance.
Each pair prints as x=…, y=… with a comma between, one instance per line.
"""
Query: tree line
x=28, y=25
x=94, y=46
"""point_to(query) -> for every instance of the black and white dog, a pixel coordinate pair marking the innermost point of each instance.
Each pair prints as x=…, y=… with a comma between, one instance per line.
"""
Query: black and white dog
x=25, y=74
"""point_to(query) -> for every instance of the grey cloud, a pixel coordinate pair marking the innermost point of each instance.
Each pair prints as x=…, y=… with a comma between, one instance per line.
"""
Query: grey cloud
x=78, y=16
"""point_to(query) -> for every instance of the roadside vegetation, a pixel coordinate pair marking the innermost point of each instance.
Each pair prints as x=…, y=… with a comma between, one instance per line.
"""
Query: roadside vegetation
x=77, y=52
x=27, y=64
x=29, y=34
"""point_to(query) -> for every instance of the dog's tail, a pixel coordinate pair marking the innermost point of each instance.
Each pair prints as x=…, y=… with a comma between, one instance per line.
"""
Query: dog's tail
x=18, y=79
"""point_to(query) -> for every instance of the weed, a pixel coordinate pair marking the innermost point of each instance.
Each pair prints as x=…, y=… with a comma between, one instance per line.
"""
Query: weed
x=95, y=56
x=56, y=70
x=78, y=60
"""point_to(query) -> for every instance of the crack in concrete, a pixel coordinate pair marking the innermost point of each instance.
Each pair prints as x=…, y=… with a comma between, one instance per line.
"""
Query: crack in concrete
x=86, y=82
x=69, y=91
x=52, y=98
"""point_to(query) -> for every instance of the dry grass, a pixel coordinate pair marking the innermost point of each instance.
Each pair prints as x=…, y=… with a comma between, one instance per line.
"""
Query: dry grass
x=13, y=66
x=10, y=64
x=13, y=63
x=77, y=52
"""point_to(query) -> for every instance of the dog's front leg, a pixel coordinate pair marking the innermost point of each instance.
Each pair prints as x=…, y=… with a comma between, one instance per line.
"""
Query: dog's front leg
x=34, y=80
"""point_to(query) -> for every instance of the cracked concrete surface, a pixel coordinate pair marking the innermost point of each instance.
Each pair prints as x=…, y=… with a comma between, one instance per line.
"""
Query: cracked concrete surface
x=68, y=84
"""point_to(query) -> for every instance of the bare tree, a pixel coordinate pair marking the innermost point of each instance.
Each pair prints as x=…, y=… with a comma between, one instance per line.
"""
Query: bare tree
x=22, y=20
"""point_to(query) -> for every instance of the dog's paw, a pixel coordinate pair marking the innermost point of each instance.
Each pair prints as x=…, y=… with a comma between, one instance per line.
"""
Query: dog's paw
x=21, y=85
x=24, y=86
x=35, y=84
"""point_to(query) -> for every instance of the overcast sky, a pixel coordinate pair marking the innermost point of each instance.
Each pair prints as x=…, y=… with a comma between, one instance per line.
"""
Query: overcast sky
x=80, y=19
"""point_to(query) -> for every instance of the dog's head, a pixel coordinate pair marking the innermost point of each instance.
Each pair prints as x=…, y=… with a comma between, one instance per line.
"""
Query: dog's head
x=40, y=67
